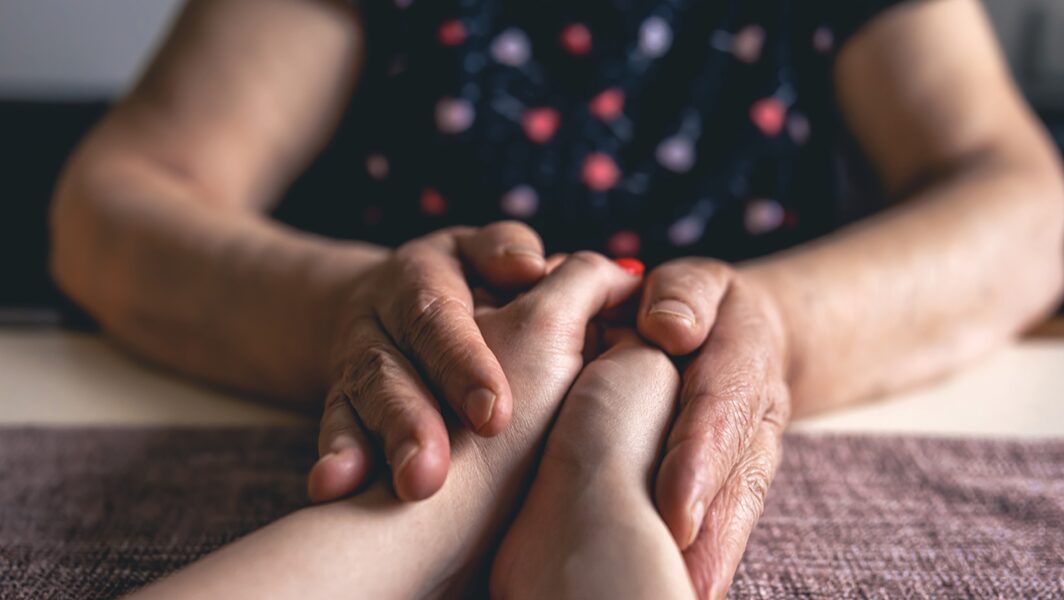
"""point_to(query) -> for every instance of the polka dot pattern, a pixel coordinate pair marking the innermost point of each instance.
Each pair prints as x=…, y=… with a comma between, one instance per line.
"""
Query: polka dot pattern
x=640, y=128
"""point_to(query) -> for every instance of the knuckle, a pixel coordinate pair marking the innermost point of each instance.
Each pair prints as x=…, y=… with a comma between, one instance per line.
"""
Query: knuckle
x=779, y=410
x=424, y=313
x=508, y=228
x=369, y=376
x=754, y=484
x=541, y=315
x=660, y=366
x=590, y=259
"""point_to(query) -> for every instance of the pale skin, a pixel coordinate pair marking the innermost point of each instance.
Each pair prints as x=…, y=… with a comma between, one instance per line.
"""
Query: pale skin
x=588, y=528
x=159, y=233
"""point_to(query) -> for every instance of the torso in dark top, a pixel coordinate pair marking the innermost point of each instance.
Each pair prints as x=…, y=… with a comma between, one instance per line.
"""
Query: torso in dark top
x=649, y=128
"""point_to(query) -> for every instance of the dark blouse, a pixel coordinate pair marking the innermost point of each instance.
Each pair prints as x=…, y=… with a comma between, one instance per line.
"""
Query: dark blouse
x=649, y=128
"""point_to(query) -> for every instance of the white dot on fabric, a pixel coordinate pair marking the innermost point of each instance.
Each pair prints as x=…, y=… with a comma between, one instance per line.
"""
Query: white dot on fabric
x=454, y=115
x=747, y=44
x=676, y=153
x=824, y=39
x=377, y=166
x=763, y=216
x=799, y=128
x=687, y=231
x=521, y=202
x=511, y=48
x=655, y=37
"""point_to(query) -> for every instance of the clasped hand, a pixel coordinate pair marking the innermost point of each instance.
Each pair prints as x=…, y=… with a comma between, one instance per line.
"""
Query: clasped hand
x=409, y=335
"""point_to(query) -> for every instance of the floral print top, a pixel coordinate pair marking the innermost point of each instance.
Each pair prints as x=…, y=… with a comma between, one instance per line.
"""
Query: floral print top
x=644, y=128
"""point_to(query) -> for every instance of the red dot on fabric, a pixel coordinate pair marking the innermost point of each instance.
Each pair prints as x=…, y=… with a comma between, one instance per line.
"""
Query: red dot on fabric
x=600, y=173
x=432, y=202
x=540, y=124
x=576, y=39
x=790, y=220
x=372, y=215
x=608, y=104
x=769, y=114
x=451, y=33
x=624, y=244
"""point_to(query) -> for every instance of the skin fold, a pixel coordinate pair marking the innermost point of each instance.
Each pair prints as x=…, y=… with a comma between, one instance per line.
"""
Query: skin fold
x=159, y=232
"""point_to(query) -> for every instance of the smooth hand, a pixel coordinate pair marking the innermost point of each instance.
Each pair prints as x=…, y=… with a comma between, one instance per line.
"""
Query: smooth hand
x=724, y=447
x=406, y=333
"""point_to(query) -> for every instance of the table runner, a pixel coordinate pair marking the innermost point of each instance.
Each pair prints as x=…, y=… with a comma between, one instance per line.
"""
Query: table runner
x=94, y=513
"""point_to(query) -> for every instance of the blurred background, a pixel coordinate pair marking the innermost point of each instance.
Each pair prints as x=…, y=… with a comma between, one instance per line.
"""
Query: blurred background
x=62, y=61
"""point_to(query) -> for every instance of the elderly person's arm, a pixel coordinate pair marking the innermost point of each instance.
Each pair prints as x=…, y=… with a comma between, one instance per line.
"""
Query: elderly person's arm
x=159, y=232
x=971, y=254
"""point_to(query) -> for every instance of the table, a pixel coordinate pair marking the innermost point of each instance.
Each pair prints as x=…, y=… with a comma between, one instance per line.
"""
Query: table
x=53, y=377
x=155, y=471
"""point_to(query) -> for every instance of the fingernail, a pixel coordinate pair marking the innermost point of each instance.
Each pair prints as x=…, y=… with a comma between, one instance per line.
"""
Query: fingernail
x=697, y=513
x=632, y=266
x=525, y=254
x=406, y=453
x=674, y=309
x=478, y=407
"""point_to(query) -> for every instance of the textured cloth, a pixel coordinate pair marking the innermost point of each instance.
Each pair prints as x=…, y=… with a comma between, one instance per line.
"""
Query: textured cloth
x=649, y=128
x=95, y=513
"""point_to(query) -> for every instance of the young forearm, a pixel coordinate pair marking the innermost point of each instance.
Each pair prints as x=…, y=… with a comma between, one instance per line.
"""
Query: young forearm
x=217, y=292
x=921, y=289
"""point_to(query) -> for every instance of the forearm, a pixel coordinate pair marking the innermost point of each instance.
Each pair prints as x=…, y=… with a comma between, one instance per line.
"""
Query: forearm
x=375, y=546
x=215, y=291
x=919, y=290
x=371, y=546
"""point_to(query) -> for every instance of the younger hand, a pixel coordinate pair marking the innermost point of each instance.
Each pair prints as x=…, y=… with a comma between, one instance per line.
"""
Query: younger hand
x=405, y=334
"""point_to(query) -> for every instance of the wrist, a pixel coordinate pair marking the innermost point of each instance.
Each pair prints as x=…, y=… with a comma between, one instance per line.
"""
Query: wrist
x=333, y=279
x=773, y=292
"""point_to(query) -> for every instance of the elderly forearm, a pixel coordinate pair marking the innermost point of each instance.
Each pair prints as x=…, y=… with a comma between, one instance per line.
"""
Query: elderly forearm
x=915, y=292
x=217, y=292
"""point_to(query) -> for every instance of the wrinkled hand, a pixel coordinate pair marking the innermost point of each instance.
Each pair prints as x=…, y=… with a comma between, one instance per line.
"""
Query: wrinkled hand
x=723, y=450
x=407, y=330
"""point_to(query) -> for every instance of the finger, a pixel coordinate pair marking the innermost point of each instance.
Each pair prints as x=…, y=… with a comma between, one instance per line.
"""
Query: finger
x=628, y=393
x=715, y=554
x=392, y=402
x=429, y=313
x=584, y=285
x=727, y=390
x=507, y=254
x=346, y=456
x=680, y=303
x=554, y=260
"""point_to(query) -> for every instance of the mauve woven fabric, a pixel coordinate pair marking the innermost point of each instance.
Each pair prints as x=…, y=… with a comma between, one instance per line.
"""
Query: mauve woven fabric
x=93, y=513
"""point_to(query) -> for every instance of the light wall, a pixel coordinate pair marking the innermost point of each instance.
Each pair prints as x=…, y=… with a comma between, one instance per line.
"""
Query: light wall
x=93, y=48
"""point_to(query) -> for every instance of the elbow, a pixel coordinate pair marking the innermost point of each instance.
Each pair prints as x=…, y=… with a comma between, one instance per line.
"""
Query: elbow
x=85, y=239
x=71, y=221
x=1046, y=282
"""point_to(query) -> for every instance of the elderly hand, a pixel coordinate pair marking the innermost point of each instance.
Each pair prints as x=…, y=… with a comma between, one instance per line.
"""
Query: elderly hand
x=725, y=445
x=405, y=332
